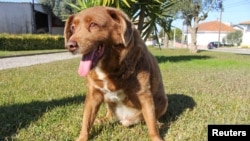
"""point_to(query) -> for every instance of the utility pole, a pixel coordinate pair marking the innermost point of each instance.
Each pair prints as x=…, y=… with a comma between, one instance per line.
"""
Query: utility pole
x=174, y=36
x=220, y=6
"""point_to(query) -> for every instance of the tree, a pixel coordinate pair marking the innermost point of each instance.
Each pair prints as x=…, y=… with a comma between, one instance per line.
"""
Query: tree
x=83, y=4
x=174, y=34
x=60, y=8
x=177, y=33
x=147, y=14
x=234, y=38
x=151, y=14
x=192, y=12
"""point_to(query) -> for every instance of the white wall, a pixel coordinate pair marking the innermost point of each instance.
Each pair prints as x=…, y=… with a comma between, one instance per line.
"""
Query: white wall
x=246, y=36
x=203, y=38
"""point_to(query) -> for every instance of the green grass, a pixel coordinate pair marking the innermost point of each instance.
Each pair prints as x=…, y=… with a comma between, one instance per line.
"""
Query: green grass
x=44, y=102
x=17, y=53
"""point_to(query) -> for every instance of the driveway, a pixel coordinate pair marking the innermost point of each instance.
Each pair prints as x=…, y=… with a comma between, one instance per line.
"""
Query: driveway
x=14, y=62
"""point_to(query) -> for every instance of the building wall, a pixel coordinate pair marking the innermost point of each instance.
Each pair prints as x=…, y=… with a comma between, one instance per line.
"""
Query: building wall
x=246, y=36
x=16, y=17
x=203, y=38
x=57, y=30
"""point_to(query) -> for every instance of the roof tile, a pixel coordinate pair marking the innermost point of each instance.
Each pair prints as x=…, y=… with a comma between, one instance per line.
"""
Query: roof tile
x=214, y=26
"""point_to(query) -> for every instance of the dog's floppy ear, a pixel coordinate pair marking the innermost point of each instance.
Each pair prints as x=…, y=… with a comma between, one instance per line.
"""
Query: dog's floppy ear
x=129, y=58
x=125, y=23
x=67, y=29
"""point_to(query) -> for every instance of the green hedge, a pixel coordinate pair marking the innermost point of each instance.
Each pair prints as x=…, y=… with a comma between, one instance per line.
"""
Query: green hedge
x=18, y=42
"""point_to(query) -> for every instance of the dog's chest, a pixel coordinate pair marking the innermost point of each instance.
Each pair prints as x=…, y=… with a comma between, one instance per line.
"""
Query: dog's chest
x=122, y=111
x=111, y=94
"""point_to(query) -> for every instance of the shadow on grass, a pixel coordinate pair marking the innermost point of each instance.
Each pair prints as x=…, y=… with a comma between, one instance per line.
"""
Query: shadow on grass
x=177, y=104
x=18, y=116
x=163, y=59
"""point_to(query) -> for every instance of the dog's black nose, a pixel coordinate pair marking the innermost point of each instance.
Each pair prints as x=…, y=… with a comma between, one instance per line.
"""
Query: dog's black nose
x=71, y=45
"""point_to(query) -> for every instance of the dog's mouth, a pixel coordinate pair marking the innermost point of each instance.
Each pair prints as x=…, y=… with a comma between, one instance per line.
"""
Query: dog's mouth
x=90, y=60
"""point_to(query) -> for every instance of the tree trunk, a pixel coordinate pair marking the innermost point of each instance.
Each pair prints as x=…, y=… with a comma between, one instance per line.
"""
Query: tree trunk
x=193, y=33
x=193, y=29
x=182, y=35
x=165, y=41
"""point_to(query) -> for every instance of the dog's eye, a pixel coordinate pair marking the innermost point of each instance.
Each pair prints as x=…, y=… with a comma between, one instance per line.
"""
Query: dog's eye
x=91, y=25
x=72, y=28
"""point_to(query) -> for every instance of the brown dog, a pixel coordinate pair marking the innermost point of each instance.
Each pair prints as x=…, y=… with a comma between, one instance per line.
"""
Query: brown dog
x=120, y=71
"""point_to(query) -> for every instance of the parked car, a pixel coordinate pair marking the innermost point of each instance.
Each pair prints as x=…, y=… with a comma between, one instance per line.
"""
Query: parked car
x=214, y=44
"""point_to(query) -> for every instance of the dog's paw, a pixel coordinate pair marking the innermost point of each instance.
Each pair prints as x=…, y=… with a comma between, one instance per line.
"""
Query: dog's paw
x=126, y=123
x=98, y=121
x=101, y=120
x=160, y=125
x=82, y=139
x=157, y=139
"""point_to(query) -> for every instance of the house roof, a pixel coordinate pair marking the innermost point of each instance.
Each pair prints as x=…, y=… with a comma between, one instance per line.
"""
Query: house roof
x=245, y=23
x=214, y=26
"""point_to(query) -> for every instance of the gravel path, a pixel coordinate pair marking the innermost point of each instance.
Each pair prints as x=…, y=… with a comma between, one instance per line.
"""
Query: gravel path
x=14, y=62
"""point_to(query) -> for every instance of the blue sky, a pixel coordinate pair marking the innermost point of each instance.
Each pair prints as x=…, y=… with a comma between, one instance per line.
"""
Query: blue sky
x=235, y=11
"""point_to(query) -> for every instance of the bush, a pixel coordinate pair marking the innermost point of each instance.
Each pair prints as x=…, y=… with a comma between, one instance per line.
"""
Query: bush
x=244, y=46
x=234, y=38
x=18, y=42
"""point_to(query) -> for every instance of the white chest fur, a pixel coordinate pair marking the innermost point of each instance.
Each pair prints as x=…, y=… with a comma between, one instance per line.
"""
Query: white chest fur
x=126, y=115
x=112, y=96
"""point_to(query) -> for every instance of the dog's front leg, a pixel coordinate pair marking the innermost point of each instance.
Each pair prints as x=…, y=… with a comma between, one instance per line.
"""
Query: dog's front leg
x=92, y=104
x=148, y=111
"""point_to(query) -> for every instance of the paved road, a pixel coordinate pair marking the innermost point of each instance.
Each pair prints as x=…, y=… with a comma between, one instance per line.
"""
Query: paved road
x=232, y=50
x=13, y=62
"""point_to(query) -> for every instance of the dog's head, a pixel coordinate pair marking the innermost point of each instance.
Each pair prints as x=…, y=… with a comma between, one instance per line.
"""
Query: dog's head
x=95, y=30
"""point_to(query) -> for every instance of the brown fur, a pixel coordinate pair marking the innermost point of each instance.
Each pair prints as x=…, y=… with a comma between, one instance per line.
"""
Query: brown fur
x=126, y=75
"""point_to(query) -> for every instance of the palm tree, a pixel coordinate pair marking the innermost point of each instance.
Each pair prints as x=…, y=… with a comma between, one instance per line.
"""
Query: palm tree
x=149, y=15
x=84, y=4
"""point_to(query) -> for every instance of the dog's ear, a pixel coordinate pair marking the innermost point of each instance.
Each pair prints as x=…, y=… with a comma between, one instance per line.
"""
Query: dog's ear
x=125, y=23
x=67, y=29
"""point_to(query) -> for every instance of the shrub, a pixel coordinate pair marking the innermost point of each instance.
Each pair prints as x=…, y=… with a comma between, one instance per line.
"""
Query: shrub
x=18, y=42
x=244, y=46
x=234, y=38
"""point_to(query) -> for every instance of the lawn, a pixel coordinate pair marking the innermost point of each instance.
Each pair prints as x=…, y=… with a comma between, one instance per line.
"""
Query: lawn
x=45, y=102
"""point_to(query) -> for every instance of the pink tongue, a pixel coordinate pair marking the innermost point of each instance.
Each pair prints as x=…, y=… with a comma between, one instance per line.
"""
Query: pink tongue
x=85, y=64
x=84, y=67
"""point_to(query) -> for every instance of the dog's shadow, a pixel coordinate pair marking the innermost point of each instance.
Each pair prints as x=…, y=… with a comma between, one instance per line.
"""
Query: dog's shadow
x=177, y=104
x=16, y=116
